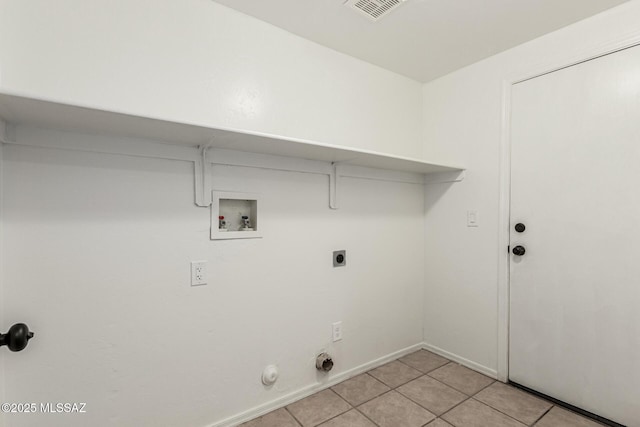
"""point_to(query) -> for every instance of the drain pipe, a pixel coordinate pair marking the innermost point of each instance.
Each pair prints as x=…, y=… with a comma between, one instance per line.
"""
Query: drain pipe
x=324, y=362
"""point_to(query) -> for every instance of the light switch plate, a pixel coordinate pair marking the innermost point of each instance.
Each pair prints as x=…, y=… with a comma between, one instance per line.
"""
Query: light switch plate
x=472, y=218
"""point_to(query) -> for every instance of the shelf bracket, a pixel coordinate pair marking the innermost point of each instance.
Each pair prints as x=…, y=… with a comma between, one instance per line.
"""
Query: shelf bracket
x=203, y=180
x=334, y=184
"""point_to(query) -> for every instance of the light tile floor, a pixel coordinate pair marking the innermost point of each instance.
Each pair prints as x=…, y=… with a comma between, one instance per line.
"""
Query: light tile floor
x=421, y=389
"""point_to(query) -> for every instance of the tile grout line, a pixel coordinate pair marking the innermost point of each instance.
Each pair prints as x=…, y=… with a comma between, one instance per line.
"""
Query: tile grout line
x=407, y=382
x=419, y=404
x=454, y=407
x=459, y=391
x=443, y=383
x=293, y=416
x=542, y=416
x=435, y=419
x=485, y=404
x=411, y=400
x=365, y=415
x=504, y=413
x=398, y=360
x=425, y=373
x=389, y=391
x=334, y=417
x=498, y=410
x=468, y=397
x=341, y=413
x=418, y=370
x=368, y=400
x=399, y=385
x=484, y=388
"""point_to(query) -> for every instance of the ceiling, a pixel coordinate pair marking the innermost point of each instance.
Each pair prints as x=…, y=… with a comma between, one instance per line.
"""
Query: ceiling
x=423, y=39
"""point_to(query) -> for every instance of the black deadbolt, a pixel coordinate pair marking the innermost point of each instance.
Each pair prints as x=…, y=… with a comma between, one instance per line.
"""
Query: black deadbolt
x=17, y=338
x=518, y=250
x=520, y=227
x=340, y=259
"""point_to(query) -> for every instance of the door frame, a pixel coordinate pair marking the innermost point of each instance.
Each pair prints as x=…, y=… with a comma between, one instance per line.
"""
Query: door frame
x=610, y=47
x=3, y=323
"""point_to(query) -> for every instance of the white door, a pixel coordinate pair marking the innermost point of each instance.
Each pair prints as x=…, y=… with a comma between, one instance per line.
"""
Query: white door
x=575, y=185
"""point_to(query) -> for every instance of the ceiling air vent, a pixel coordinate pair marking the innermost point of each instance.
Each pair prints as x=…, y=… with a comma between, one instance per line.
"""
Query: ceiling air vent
x=374, y=9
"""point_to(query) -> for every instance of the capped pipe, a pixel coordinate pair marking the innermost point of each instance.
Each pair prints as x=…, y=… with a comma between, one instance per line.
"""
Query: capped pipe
x=324, y=362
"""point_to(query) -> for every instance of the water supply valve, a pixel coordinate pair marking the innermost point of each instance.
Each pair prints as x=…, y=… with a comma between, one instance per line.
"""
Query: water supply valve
x=245, y=223
x=222, y=223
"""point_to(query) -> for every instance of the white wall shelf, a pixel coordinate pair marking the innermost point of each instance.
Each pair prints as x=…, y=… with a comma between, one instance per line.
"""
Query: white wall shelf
x=28, y=111
x=25, y=111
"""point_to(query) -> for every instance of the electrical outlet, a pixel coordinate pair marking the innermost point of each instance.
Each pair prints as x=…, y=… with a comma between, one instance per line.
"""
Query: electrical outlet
x=339, y=258
x=337, y=331
x=198, y=273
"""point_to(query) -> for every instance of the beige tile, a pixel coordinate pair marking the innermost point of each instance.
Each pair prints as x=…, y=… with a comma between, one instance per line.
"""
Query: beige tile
x=359, y=389
x=438, y=423
x=475, y=414
x=395, y=373
x=352, y=418
x=277, y=418
x=424, y=361
x=318, y=408
x=516, y=403
x=431, y=394
x=461, y=378
x=558, y=417
x=393, y=410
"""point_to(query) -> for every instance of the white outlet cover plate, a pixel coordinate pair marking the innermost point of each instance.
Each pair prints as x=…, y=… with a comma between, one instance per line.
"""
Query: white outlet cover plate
x=472, y=218
x=198, y=273
x=337, y=331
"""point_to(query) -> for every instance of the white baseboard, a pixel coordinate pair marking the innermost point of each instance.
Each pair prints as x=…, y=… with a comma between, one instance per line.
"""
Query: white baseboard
x=461, y=360
x=314, y=388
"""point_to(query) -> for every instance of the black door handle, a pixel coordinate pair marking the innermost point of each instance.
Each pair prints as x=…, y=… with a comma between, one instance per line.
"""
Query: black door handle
x=518, y=250
x=17, y=338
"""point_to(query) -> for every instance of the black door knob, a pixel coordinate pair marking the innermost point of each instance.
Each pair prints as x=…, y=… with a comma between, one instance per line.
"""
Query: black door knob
x=518, y=250
x=520, y=227
x=17, y=338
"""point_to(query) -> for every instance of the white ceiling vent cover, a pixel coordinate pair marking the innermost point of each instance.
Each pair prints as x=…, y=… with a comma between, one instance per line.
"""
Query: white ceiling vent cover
x=374, y=9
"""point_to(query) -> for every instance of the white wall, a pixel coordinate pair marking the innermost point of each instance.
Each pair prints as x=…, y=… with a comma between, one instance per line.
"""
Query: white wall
x=97, y=250
x=198, y=62
x=462, y=122
x=97, y=247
